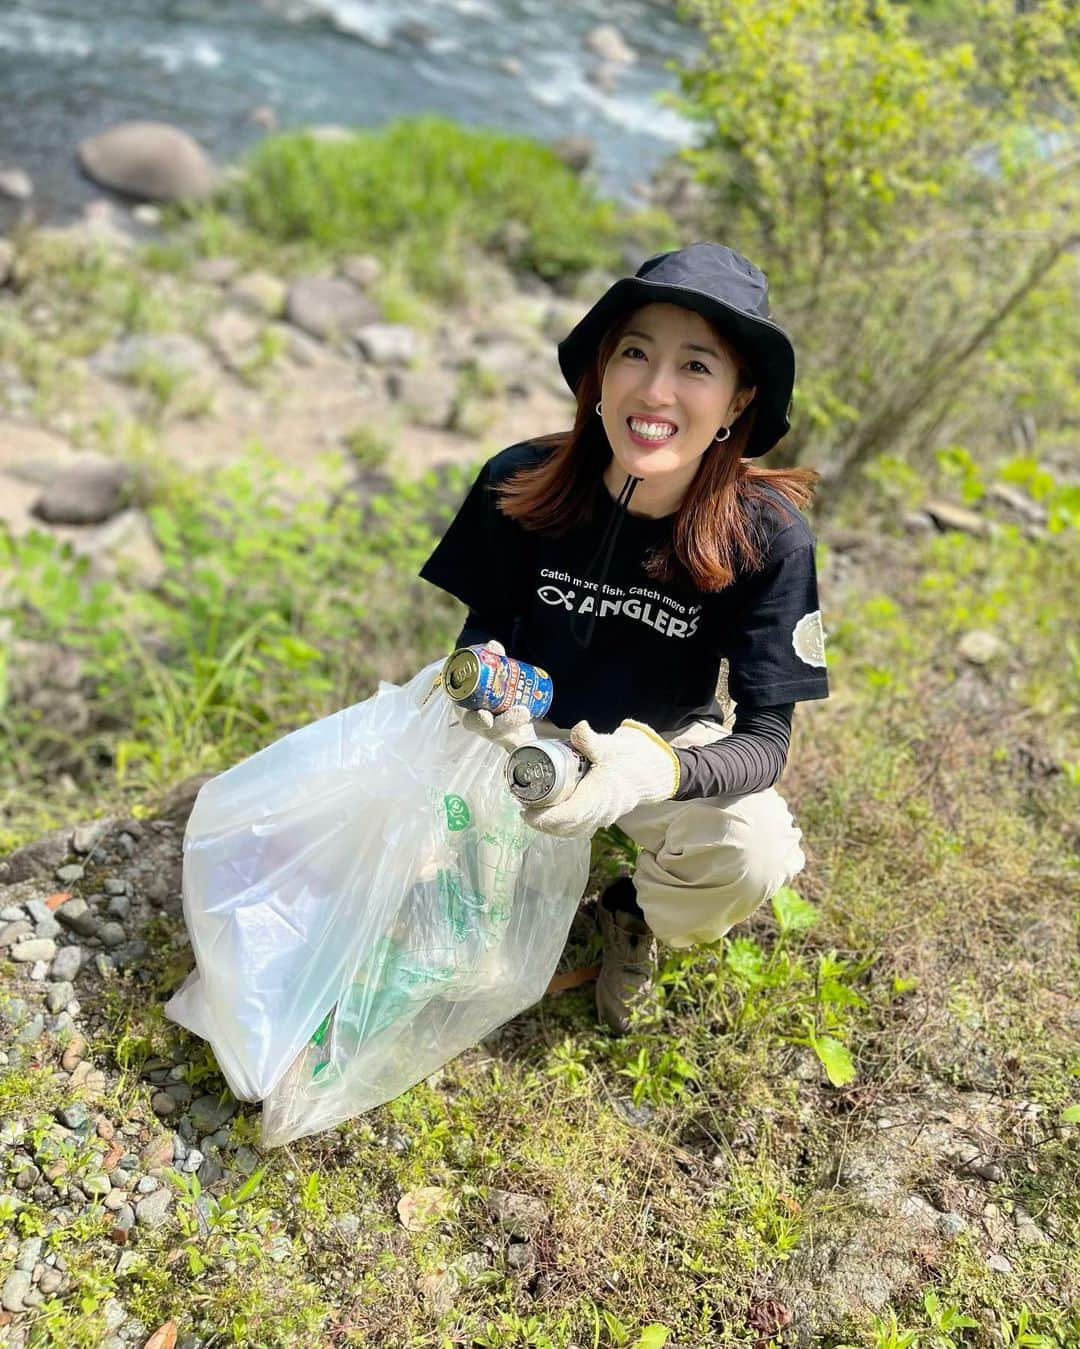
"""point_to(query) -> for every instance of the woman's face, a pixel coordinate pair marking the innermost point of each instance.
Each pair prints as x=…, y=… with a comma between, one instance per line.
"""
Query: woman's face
x=668, y=388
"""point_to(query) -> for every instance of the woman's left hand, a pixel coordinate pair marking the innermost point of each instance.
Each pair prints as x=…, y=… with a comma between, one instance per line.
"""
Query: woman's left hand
x=632, y=765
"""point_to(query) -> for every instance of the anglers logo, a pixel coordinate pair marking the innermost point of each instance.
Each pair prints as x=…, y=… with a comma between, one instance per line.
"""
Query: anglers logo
x=658, y=611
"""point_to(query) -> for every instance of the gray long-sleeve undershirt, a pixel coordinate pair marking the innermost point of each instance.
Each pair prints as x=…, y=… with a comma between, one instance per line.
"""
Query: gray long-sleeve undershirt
x=748, y=760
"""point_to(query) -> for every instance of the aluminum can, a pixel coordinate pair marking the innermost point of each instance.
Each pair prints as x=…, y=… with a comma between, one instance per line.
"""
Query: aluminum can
x=480, y=680
x=545, y=772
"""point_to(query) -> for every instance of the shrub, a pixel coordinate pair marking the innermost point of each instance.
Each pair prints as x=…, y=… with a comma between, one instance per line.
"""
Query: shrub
x=428, y=191
x=913, y=197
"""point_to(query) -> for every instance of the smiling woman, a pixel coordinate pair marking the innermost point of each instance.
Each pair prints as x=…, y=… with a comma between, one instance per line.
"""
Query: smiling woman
x=672, y=553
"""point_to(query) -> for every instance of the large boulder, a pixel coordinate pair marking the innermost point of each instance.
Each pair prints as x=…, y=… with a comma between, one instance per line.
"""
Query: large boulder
x=150, y=160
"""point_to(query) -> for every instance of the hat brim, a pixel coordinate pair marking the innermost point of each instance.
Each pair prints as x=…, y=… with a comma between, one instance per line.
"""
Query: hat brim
x=764, y=345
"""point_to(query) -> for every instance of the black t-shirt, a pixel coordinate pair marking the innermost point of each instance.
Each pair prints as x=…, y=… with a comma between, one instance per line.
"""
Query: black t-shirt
x=618, y=643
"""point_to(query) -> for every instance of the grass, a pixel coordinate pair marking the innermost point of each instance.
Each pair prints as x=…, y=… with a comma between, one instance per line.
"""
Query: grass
x=428, y=193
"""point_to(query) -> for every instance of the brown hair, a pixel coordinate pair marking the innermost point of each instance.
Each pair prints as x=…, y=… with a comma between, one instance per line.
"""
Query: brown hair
x=714, y=532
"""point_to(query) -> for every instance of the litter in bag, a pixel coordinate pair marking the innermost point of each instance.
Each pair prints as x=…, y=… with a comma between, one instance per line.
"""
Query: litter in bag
x=364, y=902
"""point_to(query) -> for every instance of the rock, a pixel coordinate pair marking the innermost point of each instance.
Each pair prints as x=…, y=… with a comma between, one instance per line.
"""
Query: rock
x=66, y=964
x=428, y=397
x=608, y=43
x=29, y=1253
x=216, y=271
x=208, y=1113
x=1017, y=502
x=210, y=1172
x=158, y=1152
x=947, y=516
x=233, y=335
x=148, y=1184
x=147, y=215
x=918, y=522
x=151, y=160
x=111, y=934
x=577, y=152
x=246, y=1160
x=48, y=927
x=31, y=1031
x=1028, y=1232
x=263, y=116
x=14, y=932
x=346, y=1225
x=73, y=1053
x=151, y=1211
x=521, y=1258
x=640, y=1116
x=16, y=1287
x=86, y=837
x=163, y=1104
x=999, y=1263
x=386, y=343
x=362, y=270
x=174, y=354
x=89, y=1078
x=69, y=874
x=192, y=1161
x=84, y=495
x=39, y=860
x=77, y=915
x=72, y=1116
x=7, y=260
x=328, y=307
x=980, y=647
x=119, y=906
x=96, y=1183
x=50, y=1282
x=518, y=1215
x=422, y=1208
x=59, y=995
x=33, y=948
x=261, y=292
x=39, y=912
x=16, y=184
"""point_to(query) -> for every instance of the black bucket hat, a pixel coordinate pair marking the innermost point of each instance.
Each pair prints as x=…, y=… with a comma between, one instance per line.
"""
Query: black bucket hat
x=723, y=287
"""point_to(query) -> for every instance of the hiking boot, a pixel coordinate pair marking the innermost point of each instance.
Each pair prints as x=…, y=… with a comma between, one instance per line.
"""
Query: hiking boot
x=629, y=960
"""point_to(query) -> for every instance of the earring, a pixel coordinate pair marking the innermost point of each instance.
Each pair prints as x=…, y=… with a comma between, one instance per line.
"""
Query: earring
x=721, y=438
x=598, y=407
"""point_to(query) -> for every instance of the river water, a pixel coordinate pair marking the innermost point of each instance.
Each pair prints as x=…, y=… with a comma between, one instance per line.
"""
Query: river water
x=69, y=68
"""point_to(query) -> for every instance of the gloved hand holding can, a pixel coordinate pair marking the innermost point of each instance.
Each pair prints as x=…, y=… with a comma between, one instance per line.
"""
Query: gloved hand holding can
x=500, y=696
x=545, y=772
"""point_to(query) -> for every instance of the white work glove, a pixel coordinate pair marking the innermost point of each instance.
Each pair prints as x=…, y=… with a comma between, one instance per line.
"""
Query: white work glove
x=509, y=729
x=629, y=767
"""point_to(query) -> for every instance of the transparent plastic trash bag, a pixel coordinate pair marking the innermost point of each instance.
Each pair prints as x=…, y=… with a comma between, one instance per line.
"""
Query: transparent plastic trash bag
x=364, y=902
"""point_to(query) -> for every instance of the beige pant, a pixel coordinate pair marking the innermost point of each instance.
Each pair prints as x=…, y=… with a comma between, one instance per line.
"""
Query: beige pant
x=707, y=864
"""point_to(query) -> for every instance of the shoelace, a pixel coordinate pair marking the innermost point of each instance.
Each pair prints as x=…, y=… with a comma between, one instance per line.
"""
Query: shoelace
x=583, y=634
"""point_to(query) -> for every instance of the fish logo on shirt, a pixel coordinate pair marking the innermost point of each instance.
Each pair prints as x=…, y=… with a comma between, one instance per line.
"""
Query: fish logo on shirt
x=553, y=595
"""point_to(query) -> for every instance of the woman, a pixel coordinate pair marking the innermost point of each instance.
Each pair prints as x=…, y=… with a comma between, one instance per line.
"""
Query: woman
x=628, y=557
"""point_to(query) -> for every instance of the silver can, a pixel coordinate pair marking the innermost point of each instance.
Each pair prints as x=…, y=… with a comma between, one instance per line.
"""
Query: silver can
x=545, y=772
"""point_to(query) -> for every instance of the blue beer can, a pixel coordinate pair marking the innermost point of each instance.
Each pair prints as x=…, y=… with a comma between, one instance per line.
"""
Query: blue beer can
x=479, y=679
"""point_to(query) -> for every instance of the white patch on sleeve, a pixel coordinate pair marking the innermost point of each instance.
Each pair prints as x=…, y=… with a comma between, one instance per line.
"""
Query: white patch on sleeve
x=808, y=639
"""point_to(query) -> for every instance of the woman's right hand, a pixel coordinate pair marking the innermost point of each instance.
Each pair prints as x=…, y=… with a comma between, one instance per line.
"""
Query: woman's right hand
x=509, y=729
